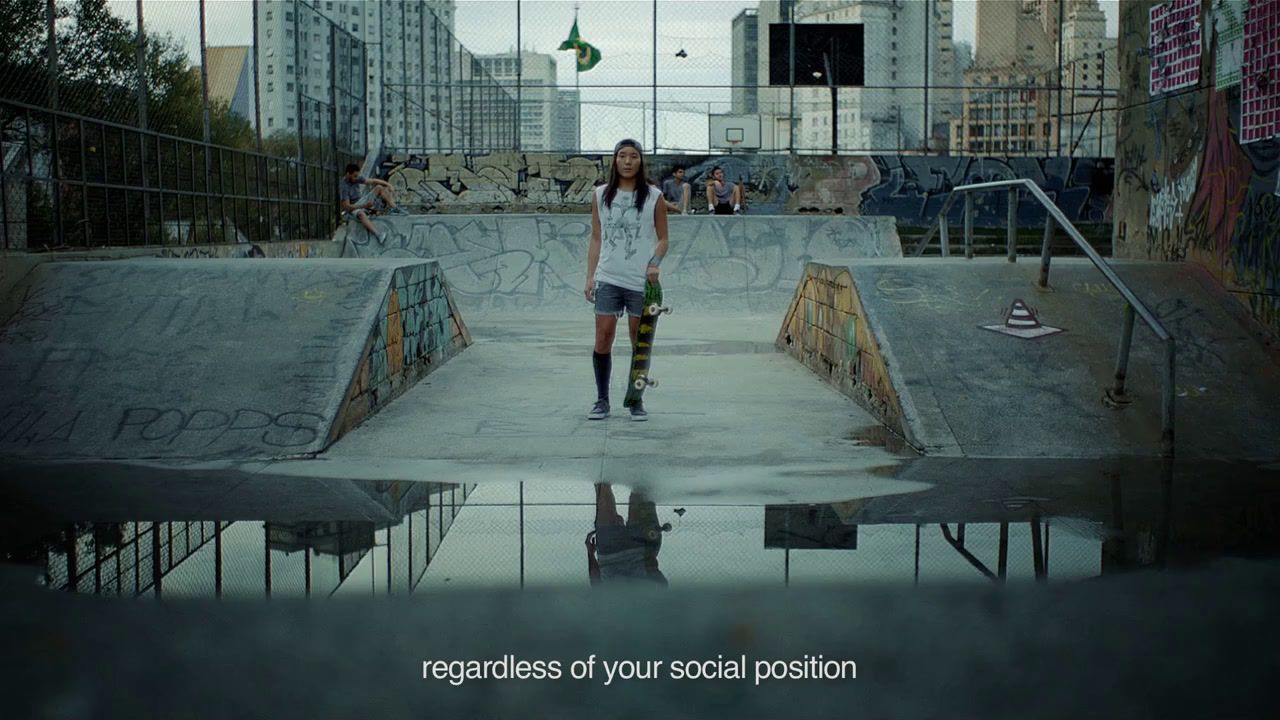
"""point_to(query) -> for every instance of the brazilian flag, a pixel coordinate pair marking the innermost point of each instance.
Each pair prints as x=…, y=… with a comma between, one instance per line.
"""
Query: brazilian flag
x=588, y=55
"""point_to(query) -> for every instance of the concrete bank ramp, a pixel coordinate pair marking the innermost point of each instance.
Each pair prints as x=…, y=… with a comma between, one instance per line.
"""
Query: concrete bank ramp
x=741, y=264
x=213, y=359
x=908, y=340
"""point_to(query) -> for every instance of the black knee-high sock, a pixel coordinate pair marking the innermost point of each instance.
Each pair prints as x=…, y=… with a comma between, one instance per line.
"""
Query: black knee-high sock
x=603, y=363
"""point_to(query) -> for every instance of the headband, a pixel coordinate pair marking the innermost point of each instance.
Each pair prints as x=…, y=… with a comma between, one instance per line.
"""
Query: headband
x=628, y=142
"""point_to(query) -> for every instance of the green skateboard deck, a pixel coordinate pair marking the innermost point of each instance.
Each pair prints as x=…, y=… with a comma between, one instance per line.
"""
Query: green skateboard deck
x=642, y=354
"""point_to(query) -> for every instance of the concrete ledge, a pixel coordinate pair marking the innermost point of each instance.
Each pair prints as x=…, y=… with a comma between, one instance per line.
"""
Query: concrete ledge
x=14, y=266
x=746, y=263
x=926, y=345
x=203, y=359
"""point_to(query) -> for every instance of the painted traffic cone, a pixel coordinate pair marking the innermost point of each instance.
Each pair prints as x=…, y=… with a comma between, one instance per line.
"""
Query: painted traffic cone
x=1021, y=317
x=1022, y=321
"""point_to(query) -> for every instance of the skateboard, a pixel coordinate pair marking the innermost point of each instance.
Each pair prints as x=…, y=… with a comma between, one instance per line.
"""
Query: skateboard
x=641, y=356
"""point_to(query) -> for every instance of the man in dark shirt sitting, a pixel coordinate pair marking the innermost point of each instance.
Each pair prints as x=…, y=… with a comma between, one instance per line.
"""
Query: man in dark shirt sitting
x=675, y=191
x=356, y=201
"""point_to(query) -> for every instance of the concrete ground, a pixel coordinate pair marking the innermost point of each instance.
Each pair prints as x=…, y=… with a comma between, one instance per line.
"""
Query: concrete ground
x=732, y=417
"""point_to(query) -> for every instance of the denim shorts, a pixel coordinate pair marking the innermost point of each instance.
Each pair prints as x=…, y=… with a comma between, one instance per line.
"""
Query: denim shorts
x=378, y=206
x=612, y=300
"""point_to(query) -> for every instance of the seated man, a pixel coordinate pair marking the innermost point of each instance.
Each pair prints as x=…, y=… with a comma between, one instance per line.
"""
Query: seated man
x=723, y=198
x=675, y=191
x=356, y=203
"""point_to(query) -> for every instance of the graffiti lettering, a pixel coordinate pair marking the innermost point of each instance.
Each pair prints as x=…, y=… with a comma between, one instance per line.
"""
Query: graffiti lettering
x=1169, y=204
x=167, y=425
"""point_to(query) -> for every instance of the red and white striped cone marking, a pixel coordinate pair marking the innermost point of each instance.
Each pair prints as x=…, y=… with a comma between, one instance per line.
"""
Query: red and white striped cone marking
x=1022, y=322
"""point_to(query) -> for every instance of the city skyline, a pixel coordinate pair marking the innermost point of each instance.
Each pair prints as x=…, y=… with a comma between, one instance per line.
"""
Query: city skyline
x=230, y=23
x=620, y=87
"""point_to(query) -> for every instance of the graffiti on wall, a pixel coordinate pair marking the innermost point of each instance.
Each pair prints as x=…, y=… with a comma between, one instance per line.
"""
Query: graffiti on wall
x=1189, y=189
x=826, y=329
x=248, y=250
x=1168, y=201
x=417, y=330
x=909, y=188
x=528, y=261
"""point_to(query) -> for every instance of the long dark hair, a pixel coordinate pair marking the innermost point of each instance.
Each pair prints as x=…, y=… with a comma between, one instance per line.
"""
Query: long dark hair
x=642, y=181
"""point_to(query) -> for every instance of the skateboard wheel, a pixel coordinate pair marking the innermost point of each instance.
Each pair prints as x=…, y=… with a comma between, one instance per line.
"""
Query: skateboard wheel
x=639, y=384
x=652, y=383
x=652, y=309
x=666, y=527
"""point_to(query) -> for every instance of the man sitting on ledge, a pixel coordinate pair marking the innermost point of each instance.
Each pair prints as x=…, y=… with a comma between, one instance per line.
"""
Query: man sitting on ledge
x=356, y=203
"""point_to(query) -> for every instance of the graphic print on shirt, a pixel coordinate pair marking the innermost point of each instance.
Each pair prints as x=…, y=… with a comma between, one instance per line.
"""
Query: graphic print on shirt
x=623, y=223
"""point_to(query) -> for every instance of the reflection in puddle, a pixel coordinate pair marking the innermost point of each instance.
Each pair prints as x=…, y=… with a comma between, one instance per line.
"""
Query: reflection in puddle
x=322, y=538
x=880, y=436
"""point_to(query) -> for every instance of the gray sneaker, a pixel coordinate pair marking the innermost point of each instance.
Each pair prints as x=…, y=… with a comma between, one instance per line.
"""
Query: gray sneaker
x=599, y=411
x=637, y=412
x=397, y=210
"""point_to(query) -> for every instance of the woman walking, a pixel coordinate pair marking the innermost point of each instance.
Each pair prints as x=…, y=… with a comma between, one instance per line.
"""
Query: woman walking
x=628, y=242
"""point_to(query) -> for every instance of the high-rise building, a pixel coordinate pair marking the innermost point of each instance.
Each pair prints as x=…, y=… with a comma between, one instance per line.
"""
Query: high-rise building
x=1050, y=11
x=774, y=104
x=1091, y=77
x=908, y=53
x=397, y=64
x=538, y=94
x=746, y=62
x=230, y=73
x=566, y=131
x=1011, y=102
x=1007, y=100
x=904, y=60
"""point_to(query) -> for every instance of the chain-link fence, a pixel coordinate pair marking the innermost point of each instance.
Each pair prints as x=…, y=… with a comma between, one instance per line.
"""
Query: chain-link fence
x=126, y=123
x=436, y=94
x=90, y=85
x=984, y=77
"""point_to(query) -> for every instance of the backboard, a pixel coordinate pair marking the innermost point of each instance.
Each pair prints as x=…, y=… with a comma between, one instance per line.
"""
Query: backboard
x=734, y=132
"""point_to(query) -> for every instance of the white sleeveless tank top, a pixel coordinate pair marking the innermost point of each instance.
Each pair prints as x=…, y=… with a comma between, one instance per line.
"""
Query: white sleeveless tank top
x=628, y=238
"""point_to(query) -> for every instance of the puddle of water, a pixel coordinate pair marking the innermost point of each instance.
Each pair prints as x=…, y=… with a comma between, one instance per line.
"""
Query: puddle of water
x=302, y=537
x=880, y=436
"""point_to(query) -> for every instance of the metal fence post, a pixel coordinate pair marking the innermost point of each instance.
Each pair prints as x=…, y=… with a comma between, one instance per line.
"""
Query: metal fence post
x=204, y=84
x=968, y=226
x=51, y=15
x=1166, y=404
x=1046, y=250
x=1012, y=231
x=333, y=115
x=944, y=235
x=257, y=85
x=297, y=76
x=1122, y=357
x=654, y=142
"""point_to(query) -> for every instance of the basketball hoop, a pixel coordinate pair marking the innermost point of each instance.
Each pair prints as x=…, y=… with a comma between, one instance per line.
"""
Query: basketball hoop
x=733, y=145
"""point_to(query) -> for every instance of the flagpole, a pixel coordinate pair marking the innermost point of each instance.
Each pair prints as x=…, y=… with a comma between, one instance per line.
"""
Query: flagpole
x=577, y=80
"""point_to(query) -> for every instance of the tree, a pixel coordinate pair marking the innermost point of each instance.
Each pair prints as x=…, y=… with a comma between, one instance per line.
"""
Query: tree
x=97, y=71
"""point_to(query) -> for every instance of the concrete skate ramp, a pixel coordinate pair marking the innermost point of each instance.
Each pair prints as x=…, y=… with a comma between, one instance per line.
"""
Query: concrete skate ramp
x=746, y=263
x=906, y=340
x=204, y=359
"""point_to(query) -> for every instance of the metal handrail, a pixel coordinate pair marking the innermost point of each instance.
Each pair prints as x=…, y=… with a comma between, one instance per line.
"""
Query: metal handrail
x=1133, y=306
